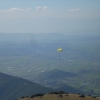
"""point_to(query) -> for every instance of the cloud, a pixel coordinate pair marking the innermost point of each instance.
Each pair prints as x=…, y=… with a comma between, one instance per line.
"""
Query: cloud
x=45, y=8
x=39, y=8
x=42, y=8
x=15, y=10
x=74, y=10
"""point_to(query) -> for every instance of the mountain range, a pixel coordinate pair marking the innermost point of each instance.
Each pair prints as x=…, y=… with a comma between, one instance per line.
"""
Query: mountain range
x=12, y=87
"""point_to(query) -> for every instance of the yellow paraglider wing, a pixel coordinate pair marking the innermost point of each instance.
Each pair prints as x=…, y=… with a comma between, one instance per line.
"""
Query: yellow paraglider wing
x=59, y=49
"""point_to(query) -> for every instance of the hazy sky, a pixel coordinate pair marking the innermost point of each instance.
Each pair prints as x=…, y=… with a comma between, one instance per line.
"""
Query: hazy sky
x=49, y=16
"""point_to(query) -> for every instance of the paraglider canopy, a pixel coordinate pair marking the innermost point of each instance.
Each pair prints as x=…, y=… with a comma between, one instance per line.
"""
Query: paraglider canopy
x=59, y=49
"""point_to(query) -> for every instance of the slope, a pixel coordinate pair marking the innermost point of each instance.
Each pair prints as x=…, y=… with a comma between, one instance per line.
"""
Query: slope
x=12, y=87
x=60, y=97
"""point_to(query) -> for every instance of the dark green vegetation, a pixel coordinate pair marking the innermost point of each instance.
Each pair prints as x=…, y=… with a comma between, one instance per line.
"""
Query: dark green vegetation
x=34, y=55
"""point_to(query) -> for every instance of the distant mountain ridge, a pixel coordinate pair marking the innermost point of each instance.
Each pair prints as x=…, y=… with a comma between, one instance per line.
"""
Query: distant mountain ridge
x=56, y=74
x=54, y=79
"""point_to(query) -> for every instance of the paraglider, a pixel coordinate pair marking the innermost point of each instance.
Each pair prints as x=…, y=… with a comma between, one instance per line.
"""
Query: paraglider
x=59, y=50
